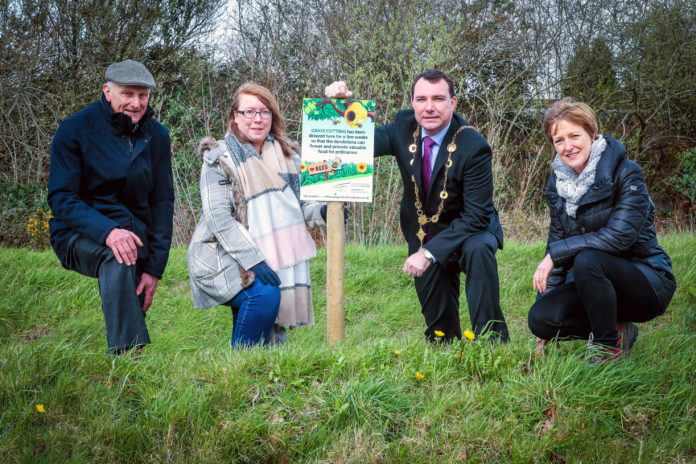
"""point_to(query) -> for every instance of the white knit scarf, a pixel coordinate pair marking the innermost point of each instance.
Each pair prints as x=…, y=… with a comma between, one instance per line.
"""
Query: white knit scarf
x=572, y=186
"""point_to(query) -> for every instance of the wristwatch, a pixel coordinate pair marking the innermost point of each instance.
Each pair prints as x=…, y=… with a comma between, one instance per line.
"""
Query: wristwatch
x=428, y=255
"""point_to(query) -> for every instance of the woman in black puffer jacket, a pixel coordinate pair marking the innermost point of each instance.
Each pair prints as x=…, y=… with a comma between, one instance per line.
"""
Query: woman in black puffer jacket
x=603, y=268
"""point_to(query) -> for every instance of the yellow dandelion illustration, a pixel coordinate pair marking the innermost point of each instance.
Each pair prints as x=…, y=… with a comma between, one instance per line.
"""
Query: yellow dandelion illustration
x=362, y=167
x=40, y=408
x=397, y=352
x=303, y=167
x=469, y=335
x=355, y=114
x=419, y=376
x=331, y=173
x=439, y=333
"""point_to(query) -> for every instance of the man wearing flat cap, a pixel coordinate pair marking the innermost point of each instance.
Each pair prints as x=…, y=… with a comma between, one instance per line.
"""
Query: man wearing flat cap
x=112, y=198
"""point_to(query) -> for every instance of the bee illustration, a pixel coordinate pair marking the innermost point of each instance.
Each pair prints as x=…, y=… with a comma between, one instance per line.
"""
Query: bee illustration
x=336, y=163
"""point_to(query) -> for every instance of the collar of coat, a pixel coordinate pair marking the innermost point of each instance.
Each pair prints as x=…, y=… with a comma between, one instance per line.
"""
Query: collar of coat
x=603, y=183
x=121, y=124
x=612, y=156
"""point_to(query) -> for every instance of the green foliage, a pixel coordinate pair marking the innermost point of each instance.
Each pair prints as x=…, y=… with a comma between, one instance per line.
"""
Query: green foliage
x=192, y=399
x=590, y=76
x=52, y=62
x=685, y=181
x=655, y=51
x=632, y=60
x=18, y=204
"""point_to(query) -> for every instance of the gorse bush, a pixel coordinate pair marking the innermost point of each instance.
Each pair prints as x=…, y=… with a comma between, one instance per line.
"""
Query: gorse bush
x=37, y=226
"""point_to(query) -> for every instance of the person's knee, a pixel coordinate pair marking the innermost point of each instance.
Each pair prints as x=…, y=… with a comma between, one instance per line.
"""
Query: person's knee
x=110, y=269
x=585, y=261
x=479, y=243
x=539, y=325
x=479, y=248
x=266, y=298
x=107, y=258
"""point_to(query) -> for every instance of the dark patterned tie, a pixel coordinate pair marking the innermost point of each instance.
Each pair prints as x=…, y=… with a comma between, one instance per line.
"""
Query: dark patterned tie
x=427, y=145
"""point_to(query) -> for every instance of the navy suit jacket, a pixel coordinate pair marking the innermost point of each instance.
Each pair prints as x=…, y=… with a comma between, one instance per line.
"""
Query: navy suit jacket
x=468, y=208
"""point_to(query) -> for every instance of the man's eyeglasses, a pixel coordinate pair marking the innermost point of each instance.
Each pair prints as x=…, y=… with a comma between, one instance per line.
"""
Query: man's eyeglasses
x=251, y=114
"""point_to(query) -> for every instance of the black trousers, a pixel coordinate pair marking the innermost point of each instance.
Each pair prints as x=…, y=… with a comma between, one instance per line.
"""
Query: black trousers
x=606, y=289
x=122, y=307
x=438, y=291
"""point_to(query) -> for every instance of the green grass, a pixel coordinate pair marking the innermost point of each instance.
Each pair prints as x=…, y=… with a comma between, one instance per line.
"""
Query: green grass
x=192, y=399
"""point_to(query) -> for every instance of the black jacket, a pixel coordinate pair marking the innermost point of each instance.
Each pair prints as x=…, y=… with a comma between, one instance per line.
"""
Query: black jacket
x=468, y=208
x=100, y=178
x=616, y=215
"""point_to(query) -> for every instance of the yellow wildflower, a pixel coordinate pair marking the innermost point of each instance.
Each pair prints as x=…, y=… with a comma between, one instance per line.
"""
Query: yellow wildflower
x=439, y=333
x=397, y=352
x=40, y=408
x=38, y=228
x=362, y=167
x=419, y=376
x=469, y=335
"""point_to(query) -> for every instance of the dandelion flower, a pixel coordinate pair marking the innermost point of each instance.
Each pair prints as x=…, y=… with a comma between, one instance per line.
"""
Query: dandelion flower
x=469, y=335
x=40, y=408
x=303, y=167
x=419, y=376
x=362, y=167
x=397, y=352
x=439, y=333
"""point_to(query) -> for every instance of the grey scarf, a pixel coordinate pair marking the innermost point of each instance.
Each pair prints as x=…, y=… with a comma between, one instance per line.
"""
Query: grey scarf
x=572, y=186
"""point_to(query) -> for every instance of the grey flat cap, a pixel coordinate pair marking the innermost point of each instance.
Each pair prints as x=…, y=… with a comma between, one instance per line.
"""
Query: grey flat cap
x=130, y=72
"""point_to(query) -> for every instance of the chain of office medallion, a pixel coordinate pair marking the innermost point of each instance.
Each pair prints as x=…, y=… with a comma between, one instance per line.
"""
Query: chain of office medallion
x=422, y=218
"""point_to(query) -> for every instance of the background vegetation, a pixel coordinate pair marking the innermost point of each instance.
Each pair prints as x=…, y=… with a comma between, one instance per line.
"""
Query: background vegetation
x=632, y=60
x=192, y=399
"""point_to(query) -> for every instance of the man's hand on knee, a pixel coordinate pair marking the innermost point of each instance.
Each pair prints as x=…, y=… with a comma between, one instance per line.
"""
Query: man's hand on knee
x=416, y=264
x=124, y=244
x=149, y=284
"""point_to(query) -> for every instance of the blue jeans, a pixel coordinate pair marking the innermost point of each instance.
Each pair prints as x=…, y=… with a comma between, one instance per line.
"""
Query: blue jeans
x=254, y=311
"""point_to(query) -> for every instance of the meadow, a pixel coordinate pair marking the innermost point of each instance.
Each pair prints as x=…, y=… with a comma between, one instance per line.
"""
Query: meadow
x=383, y=395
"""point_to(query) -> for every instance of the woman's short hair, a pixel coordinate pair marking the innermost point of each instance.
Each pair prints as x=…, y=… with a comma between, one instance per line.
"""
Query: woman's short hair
x=278, y=127
x=571, y=111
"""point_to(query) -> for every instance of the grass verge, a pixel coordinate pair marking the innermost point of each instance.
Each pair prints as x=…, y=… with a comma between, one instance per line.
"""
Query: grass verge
x=191, y=399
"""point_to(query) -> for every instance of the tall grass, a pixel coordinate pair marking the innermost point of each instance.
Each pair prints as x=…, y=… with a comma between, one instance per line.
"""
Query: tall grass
x=192, y=399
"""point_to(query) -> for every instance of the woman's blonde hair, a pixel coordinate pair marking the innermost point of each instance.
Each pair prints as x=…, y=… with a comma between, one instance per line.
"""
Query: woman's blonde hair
x=572, y=111
x=278, y=127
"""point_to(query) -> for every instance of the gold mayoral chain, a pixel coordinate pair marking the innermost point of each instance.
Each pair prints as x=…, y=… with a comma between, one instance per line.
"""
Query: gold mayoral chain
x=422, y=218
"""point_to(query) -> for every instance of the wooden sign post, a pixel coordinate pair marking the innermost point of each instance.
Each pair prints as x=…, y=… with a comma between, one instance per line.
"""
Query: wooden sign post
x=337, y=166
x=335, y=258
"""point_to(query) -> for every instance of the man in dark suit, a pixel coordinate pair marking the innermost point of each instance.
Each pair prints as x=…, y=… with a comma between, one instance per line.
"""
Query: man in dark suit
x=447, y=213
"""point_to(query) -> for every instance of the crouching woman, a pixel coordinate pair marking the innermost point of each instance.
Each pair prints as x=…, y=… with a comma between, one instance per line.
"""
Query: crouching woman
x=603, y=269
x=251, y=247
